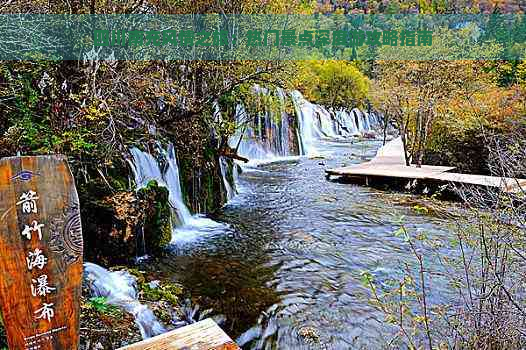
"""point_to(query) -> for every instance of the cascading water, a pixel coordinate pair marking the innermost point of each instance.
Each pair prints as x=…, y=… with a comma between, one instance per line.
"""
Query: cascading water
x=346, y=123
x=316, y=122
x=229, y=188
x=145, y=167
x=285, y=124
x=309, y=127
x=268, y=135
x=247, y=141
x=120, y=289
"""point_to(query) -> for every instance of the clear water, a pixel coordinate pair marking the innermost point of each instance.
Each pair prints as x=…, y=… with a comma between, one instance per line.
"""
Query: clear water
x=120, y=289
x=292, y=252
x=186, y=227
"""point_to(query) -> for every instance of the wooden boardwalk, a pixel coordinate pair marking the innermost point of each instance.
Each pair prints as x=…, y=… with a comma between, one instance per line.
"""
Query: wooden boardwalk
x=202, y=335
x=390, y=162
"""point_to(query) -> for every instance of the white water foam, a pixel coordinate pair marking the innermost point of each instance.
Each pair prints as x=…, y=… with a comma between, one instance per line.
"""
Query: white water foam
x=185, y=226
x=120, y=289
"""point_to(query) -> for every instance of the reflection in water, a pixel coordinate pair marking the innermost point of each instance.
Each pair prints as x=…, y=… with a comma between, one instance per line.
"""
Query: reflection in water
x=291, y=257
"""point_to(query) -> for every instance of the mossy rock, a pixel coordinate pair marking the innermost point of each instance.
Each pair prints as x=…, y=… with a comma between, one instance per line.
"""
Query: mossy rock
x=165, y=291
x=157, y=223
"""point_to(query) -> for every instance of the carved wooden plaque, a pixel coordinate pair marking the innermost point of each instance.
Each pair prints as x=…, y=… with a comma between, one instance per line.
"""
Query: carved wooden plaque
x=40, y=253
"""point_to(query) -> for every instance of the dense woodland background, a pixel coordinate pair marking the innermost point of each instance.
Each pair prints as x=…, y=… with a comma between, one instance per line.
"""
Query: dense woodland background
x=95, y=111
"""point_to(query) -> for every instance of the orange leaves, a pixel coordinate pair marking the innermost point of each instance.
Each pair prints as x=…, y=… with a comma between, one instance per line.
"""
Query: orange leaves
x=492, y=107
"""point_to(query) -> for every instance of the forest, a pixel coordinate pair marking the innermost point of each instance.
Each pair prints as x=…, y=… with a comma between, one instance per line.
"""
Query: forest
x=202, y=189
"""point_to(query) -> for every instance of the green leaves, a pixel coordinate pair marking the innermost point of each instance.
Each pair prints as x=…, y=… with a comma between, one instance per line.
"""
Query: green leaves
x=366, y=278
x=420, y=209
x=100, y=304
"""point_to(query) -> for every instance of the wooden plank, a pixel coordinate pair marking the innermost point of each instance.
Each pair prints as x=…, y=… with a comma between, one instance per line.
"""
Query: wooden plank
x=505, y=183
x=390, y=170
x=391, y=153
x=489, y=181
x=390, y=162
x=202, y=335
x=429, y=172
x=40, y=253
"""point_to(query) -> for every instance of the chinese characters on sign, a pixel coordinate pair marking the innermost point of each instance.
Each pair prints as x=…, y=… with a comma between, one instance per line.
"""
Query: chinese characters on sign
x=41, y=249
x=28, y=201
x=36, y=258
x=254, y=38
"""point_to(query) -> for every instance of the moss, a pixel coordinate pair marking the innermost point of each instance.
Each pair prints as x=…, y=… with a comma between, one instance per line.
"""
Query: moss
x=98, y=212
x=100, y=305
x=157, y=225
x=166, y=291
x=106, y=327
x=163, y=299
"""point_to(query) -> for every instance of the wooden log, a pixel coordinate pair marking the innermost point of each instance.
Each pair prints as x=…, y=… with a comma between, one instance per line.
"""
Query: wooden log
x=229, y=152
x=202, y=335
x=237, y=157
x=40, y=253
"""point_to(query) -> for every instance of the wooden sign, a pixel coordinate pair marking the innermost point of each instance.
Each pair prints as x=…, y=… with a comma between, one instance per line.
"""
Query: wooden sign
x=40, y=253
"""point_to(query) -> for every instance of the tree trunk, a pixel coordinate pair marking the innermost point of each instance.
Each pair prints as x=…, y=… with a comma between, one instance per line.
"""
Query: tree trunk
x=404, y=144
x=385, y=125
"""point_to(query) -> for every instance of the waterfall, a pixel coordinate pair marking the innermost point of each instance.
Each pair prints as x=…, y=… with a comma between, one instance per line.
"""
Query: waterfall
x=285, y=126
x=229, y=188
x=120, y=289
x=315, y=123
x=347, y=123
x=267, y=135
x=145, y=168
x=185, y=226
x=171, y=177
x=248, y=139
x=308, y=127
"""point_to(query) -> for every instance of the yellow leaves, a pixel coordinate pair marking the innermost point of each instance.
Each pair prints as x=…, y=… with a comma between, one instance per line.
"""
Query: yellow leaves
x=521, y=74
x=419, y=319
x=460, y=97
x=333, y=83
x=94, y=111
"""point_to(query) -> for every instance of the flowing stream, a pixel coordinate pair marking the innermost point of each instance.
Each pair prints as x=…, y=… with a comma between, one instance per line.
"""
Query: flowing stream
x=120, y=289
x=286, y=253
x=293, y=252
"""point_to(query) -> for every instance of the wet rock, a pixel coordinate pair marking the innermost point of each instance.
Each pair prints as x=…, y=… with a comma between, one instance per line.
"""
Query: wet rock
x=157, y=225
x=309, y=334
x=369, y=135
x=135, y=224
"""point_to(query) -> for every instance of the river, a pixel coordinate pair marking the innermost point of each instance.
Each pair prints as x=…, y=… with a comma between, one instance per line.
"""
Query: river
x=291, y=251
